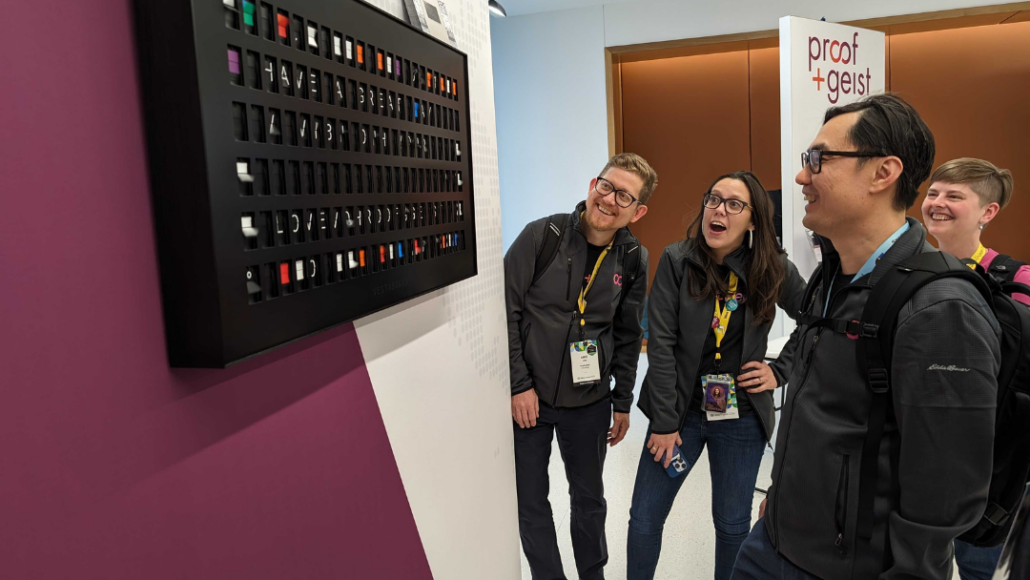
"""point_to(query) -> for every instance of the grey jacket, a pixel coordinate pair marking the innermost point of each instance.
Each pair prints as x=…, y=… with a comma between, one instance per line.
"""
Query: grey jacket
x=543, y=318
x=943, y=388
x=678, y=325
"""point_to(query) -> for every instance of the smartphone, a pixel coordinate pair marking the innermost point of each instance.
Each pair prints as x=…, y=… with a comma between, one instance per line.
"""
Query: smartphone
x=678, y=466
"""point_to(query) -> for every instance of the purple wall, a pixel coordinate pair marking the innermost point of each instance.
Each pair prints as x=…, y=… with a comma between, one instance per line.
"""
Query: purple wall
x=114, y=465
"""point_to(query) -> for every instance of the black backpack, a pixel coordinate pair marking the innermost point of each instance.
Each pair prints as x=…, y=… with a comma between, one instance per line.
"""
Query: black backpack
x=875, y=347
x=552, y=240
x=1003, y=268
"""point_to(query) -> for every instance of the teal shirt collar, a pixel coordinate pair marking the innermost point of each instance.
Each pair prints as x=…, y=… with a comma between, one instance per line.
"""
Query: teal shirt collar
x=870, y=264
x=875, y=257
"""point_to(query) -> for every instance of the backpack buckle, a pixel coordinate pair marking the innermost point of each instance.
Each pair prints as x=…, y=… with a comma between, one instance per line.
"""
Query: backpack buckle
x=995, y=514
x=854, y=329
x=878, y=380
x=869, y=330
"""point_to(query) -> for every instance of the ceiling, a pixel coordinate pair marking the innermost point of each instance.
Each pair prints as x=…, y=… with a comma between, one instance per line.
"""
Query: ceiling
x=521, y=7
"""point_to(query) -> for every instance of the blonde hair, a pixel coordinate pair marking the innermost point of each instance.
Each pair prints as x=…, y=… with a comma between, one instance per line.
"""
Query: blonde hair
x=992, y=184
x=635, y=164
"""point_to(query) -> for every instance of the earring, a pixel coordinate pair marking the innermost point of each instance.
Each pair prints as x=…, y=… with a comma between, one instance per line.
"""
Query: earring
x=982, y=226
x=751, y=238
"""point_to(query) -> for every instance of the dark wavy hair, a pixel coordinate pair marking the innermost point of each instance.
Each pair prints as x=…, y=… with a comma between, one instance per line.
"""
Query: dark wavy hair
x=889, y=125
x=765, y=270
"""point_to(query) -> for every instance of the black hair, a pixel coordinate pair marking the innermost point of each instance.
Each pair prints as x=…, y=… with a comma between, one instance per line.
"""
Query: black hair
x=889, y=126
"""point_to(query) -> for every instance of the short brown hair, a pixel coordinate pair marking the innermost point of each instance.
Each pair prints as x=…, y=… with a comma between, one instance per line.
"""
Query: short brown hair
x=992, y=184
x=636, y=164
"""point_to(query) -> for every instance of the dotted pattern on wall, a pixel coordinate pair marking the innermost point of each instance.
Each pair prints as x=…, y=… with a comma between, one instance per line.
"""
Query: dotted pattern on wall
x=467, y=302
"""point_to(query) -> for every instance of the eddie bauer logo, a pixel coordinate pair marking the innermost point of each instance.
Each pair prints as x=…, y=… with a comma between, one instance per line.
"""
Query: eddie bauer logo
x=947, y=368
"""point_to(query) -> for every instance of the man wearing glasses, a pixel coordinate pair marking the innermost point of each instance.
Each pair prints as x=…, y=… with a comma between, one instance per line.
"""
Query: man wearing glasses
x=575, y=286
x=929, y=460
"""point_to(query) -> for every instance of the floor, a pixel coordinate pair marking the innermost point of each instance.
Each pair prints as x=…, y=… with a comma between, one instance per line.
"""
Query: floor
x=688, y=545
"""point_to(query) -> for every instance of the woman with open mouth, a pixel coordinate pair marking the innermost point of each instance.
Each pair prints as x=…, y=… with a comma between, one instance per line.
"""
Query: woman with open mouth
x=965, y=194
x=711, y=306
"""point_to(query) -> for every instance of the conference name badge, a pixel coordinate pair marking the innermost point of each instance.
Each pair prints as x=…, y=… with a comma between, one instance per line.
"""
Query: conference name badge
x=586, y=364
x=720, y=397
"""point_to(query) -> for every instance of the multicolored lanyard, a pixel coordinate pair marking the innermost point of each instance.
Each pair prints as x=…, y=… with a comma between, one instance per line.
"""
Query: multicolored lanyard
x=590, y=284
x=722, y=315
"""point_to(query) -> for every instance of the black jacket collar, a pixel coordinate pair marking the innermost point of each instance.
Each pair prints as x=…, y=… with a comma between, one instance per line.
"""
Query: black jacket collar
x=909, y=244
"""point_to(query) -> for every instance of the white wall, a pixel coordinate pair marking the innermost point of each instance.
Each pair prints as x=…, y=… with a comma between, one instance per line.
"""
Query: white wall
x=552, y=131
x=550, y=85
x=653, y=21
x=439, y=367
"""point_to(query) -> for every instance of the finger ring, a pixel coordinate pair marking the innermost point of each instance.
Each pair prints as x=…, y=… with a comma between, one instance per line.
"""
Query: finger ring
x=653, y=448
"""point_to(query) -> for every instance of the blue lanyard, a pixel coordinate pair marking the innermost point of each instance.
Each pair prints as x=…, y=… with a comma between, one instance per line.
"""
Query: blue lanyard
x=870, y=263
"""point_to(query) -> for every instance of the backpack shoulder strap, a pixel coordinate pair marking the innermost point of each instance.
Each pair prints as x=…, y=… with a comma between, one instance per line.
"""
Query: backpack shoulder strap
x=874, y=352
x=553, y=234
x=630, y=265
x=804, y=316
x=1003, y=268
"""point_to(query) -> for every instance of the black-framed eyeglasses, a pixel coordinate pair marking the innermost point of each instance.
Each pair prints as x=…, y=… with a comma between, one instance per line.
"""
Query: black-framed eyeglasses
x=813, y=158
x=733, y=206
x=622, y=197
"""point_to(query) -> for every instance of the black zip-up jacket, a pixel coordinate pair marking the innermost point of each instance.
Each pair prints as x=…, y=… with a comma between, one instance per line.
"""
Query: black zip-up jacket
x=679, y=324
x=543, y=318
x=943, y=387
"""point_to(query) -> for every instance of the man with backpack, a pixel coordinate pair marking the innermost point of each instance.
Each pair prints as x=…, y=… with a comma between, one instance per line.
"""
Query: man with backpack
x=964, y=196
x=885, y=447
x=574, y=287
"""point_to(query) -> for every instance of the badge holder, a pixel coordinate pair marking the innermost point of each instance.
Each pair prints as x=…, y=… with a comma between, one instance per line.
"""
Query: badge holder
x=586, y=366
x=720, y=400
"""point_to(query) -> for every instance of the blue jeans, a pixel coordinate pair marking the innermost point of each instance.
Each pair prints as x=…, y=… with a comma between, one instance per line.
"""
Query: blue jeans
x=759, y=560
x=976, y=563
x=735, y=450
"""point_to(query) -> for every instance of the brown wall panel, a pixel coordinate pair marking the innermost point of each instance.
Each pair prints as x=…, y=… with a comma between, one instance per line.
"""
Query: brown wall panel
x=688, y=117
x=970, y=85
x=765, y=115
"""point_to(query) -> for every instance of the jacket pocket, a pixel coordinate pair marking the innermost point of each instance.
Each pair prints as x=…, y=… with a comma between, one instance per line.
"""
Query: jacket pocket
x=840, y=514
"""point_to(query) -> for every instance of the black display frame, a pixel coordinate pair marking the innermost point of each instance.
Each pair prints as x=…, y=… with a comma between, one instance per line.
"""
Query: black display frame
x=208, y=259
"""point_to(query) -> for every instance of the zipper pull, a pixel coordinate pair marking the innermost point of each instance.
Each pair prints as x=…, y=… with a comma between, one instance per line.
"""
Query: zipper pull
x=840, y=540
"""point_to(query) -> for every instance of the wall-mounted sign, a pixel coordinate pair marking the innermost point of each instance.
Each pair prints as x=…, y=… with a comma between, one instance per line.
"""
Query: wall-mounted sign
x=309, y=163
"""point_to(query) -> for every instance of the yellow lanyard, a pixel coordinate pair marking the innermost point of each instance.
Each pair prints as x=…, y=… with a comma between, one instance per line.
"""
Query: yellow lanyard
x=590, y=284
x=977, y=256
x=722, y=315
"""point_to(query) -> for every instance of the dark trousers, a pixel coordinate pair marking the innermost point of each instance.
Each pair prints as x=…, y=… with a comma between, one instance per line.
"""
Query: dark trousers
x=976, y=563
x=582, y=439
x=759, y=560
